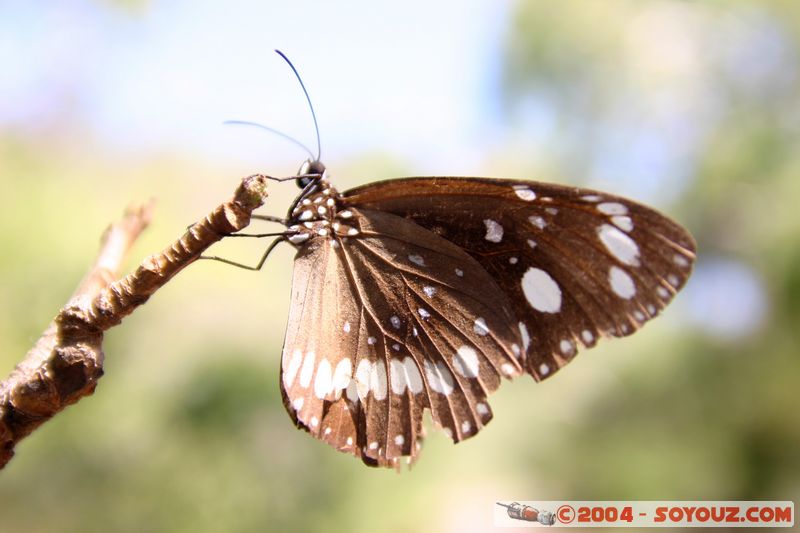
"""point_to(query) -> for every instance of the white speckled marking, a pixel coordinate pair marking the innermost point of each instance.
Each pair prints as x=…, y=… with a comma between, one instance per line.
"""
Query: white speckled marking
x=448, y=432
x=551, y=211
x=541, y=291
x=322, y=210
x=680, y=260
x=373, y=445
x=417, y=259
x=651, y=309
x=465, y=361
x=622, y=222
x=362, y=379
x=639, y=316
x=537, y=221
x=526, y=338
x=459, y=273
x=619, y=244
x=399, y=440
x=395, y=321
x=297, y=238
x=413, y=377
x=494, y=231
x=621, y=283
x=587, y=336
x=349, y=441
x=378, y=380
x=673, y=280
x=314, y=421
x=592, y=197
x=482, y=409
x=480, y=326
x=524, y=193
x=396, y=347
x=322, y=232
x=345, y=214
x=612, y=208
x=423, y=313
x=292, y=367
x=298, y=403
x=515, y=350
x=566, y=347
x=466, y=427
x=306, y=215
x=342, y=374
x=397, y=374
x=507, y=369
x=439, y=377
x=371, y=340
x=429, y=291
x=352, y=232
x=544, y=369
x=664, y=293
x=346, y=327
x=324, y=380
x=531, y=243
x=328, y=431
x=513, y=260
x=308, y=370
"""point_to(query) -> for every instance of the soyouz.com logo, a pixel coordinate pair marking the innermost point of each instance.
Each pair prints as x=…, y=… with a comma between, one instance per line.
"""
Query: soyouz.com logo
x=644, y=514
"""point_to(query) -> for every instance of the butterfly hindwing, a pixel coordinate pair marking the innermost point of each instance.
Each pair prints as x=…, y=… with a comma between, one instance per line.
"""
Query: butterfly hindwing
x=389, y=319
x=575, y=264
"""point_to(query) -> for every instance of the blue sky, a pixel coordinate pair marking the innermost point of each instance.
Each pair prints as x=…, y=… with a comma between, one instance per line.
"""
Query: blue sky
x=165, y=78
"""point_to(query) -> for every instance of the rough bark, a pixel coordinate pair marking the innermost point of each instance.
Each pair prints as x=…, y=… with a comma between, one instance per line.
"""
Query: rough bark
x=67, y=361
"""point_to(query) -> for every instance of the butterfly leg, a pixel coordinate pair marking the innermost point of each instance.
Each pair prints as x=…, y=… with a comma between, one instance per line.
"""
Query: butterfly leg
x=261, y=262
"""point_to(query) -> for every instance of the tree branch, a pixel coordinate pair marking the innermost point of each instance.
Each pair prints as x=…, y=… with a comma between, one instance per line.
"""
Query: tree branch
x=67, y=360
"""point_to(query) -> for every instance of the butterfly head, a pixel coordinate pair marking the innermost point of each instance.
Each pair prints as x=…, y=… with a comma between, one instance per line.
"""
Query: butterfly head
x=309, y=172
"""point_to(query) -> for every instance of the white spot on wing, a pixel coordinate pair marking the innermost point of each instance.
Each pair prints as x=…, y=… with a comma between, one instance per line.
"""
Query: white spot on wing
x=363, y=372
x=544, y=369
x=466, y=427
x=619, y=244
x=612, y=208
x=513, y=260
x=480, y=326
x=465, y=361
x=508, y=369
x=308, y=370
x=413, y=377
x=378, y=380
x=342, y=374
x=346, y=327
x=439, y=377
x=397, y=374
x=622, y=222
x=424, y=313
x=526, y=338
x=587, y=336
x=459, y=273
x=417, y=259
x=494, y=231
x=371, y=340
x=621, y=283
x=429, y=291
x=531, y=243
x=524, y=193
x=298, y=403
x=292, y=368
x=537, y=221
x=566, y=347
x=324, y=379
x=395, y=321
x=541, y=291
x=482, y=409
x=297, y=238
x=399, y=440
x=681, y=261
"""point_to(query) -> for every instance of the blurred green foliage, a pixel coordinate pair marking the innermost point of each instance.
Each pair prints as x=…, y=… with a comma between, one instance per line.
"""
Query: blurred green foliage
x=186, y=431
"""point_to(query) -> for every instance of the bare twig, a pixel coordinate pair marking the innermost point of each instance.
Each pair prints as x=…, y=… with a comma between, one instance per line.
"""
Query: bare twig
x=67, y=360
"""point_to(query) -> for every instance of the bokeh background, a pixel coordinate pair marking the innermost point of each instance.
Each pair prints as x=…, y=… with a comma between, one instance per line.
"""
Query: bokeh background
x=693, y=107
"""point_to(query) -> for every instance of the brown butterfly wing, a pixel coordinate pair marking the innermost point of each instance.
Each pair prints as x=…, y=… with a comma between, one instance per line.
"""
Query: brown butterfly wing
x=575, y=264
x=385, y=322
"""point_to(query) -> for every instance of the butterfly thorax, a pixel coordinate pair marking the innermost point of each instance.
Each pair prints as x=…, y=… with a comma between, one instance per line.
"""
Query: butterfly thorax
x=319, y=213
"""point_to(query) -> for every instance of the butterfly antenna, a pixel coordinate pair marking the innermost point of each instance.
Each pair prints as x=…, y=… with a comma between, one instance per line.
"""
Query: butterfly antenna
x=308, y=99
x=271, y=130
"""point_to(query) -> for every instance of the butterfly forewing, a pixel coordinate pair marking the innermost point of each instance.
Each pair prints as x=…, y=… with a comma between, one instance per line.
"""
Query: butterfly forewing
x=389, y=319
x=575, y=264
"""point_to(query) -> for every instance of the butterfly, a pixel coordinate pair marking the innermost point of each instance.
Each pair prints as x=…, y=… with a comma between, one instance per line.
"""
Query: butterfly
x=424, y=293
